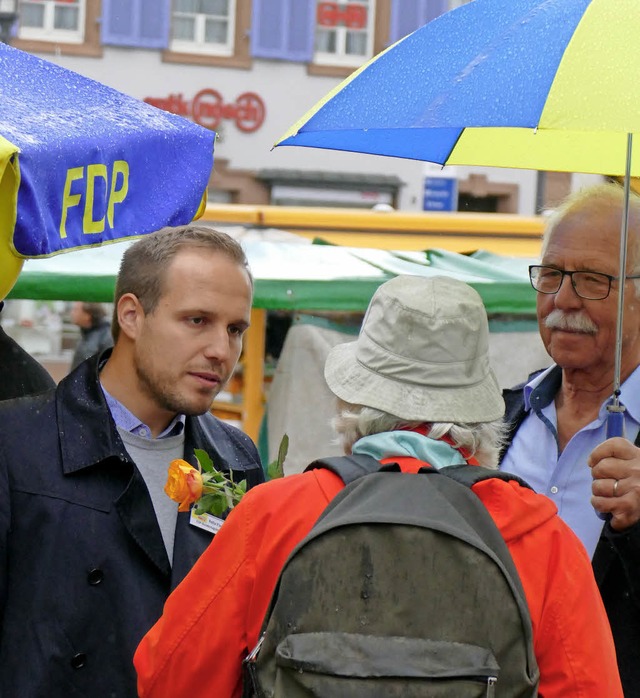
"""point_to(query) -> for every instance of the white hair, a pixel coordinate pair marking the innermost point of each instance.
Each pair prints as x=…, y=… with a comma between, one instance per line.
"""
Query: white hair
x=484, y=441
x=598, y=197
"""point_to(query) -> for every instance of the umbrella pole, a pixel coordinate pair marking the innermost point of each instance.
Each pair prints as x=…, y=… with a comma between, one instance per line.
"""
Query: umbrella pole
x=615, y=419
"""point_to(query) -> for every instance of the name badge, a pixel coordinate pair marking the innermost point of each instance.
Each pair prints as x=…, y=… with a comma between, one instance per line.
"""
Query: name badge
x=206, y=521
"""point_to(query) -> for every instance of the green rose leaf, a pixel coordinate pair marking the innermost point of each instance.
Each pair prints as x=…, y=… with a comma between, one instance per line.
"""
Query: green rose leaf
x=205, y=462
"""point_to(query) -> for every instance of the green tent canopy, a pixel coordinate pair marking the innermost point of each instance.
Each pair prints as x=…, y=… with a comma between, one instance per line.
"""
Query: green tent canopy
x=296, y=276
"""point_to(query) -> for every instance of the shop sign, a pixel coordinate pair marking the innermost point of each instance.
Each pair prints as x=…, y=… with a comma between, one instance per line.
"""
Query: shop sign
x=440, y=194
x=208, y=109
x=331, y=14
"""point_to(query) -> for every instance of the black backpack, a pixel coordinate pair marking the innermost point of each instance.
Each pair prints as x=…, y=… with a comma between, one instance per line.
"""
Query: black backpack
x=404, y=587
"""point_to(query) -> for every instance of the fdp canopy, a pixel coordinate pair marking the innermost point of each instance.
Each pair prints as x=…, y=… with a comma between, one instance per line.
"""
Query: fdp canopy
x=82, y=164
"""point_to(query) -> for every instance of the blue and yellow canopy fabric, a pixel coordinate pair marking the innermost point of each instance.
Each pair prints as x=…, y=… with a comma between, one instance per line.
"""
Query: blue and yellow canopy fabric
x=534, y=84
x=82, y=164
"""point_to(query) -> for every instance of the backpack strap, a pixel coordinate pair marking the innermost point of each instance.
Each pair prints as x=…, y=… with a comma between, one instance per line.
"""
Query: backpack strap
x=469, y=475
x=353, y=467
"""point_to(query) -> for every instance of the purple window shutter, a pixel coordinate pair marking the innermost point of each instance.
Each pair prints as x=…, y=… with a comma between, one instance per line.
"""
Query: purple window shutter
x=118, y=22
x=301, y=30
x=137, y=23
x=283, y=29
x=153, y=24
x=409, y=15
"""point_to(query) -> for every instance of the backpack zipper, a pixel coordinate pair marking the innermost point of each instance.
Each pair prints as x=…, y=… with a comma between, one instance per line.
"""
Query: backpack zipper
x=251, y=657
x=491, y=686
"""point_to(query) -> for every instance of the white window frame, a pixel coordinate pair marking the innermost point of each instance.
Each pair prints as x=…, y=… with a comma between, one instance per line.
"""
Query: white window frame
x=47, y=32
x=199, y=45
x=340, y=57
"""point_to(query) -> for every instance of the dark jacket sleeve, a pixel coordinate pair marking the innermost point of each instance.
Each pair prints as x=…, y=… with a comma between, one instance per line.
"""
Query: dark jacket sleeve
x=622, y=549
x=20, y=373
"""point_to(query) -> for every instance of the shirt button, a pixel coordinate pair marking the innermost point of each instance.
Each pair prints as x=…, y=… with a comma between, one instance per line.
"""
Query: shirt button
x=95, y=576
x=78, y=660
x=554, y=490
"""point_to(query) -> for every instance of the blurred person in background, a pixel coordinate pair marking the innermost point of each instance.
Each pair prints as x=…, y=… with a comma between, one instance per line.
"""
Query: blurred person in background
x=95, y=330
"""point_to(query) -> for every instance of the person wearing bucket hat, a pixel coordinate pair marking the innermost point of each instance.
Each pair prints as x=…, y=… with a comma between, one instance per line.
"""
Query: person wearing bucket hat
x=422, y=355
x=415, y=388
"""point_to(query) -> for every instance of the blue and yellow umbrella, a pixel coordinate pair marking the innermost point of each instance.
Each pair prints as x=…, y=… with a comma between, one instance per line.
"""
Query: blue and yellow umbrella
x=534, y=84
x=82, y=165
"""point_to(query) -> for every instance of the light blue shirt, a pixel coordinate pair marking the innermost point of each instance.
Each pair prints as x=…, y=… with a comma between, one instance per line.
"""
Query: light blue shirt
x=565, y=477
x=125, y=419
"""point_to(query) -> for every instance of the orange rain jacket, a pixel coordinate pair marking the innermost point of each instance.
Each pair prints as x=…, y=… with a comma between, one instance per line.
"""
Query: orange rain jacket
x=213, y=618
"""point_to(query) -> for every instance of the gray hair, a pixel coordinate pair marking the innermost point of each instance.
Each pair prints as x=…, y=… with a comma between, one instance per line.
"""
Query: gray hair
x=608, y=195
x=484, y=441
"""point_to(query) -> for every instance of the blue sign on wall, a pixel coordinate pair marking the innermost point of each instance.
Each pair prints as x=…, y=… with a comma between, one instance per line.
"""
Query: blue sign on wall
x=440, y=194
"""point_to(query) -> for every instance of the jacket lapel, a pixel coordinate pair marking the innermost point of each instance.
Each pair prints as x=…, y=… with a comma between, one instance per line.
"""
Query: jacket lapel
x=138, y=516
x=190, y=543
x=89, y=440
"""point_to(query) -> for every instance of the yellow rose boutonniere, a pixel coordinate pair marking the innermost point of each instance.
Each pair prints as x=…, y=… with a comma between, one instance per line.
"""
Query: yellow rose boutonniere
x=211, y=491
x=184, y=484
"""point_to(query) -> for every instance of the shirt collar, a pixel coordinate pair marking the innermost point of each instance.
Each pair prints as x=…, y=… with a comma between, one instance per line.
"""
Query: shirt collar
x=125, y=419
x=542, y=390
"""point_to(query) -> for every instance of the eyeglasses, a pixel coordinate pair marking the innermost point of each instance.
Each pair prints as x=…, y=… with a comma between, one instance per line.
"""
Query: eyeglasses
x=590, y=285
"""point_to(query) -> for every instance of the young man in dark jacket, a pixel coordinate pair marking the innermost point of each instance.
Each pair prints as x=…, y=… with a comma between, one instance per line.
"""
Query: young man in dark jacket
x=90, y=545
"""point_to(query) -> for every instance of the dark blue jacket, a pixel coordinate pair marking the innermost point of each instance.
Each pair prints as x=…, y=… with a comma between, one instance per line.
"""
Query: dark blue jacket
x=84, y=572
x=616, y=566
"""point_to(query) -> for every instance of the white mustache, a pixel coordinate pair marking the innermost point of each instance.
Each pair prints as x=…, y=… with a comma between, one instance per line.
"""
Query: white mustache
x=572, y=322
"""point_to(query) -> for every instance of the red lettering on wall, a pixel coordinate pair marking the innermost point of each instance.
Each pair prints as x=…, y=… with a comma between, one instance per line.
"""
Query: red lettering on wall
x=331, y=14
x=208, y=108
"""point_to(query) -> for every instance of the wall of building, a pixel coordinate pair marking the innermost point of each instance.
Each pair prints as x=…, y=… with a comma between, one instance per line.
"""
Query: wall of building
x=286, y=90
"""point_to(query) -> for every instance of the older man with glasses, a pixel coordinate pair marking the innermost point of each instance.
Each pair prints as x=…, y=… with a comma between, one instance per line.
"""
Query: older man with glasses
x=557, y=420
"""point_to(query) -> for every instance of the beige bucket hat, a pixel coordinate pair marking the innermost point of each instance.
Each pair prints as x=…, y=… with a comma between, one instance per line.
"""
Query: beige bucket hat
x=422, y=354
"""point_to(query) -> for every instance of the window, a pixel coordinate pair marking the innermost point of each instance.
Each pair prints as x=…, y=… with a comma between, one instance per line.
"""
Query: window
x=52, y=20
x=209, y=32
x=344, y=32
x=203, y=26
x=64, y=27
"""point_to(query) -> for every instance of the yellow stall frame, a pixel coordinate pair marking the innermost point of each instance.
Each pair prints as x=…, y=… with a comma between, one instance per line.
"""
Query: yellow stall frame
x=501, y=233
